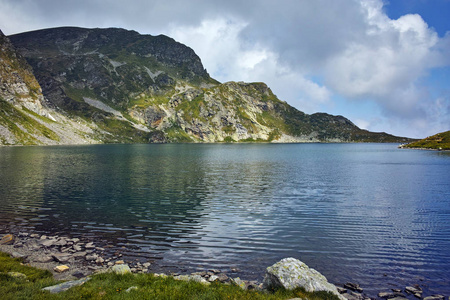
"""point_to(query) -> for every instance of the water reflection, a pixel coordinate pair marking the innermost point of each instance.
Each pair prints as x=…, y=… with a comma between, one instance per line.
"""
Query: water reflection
x=366, y=213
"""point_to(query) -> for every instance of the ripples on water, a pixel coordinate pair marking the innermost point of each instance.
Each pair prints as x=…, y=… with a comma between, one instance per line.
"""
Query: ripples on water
x=367, y=213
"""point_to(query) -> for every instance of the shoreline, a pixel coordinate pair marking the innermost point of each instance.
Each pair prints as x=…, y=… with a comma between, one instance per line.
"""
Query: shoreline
x=85, y=257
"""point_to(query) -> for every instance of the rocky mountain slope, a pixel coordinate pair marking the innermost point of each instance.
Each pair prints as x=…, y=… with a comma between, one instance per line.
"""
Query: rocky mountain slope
x=127, y=87
x=24, y=118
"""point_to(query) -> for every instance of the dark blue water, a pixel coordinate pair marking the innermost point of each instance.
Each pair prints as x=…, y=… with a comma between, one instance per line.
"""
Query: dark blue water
x=368, y=213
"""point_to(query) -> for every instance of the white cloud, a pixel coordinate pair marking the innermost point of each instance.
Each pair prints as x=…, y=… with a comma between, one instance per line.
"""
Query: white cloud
x=392, y=56
x=226, y=57
x=356, y=50
x=363, y=124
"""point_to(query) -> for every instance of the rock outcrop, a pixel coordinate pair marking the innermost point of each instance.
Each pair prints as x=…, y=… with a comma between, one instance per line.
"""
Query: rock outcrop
x=25, y=116
x=290, y=273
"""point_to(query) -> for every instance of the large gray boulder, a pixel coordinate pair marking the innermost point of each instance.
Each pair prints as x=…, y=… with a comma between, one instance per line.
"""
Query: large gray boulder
x=290, y=273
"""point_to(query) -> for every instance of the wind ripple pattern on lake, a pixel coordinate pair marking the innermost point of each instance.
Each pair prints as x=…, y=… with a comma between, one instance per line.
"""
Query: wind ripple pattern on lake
x=369, y=213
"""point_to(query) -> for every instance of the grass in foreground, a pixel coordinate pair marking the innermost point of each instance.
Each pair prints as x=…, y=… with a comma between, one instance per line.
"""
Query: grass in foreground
x=113, y=286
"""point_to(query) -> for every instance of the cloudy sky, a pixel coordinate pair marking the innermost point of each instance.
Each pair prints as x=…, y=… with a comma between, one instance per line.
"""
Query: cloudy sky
x=384, y=64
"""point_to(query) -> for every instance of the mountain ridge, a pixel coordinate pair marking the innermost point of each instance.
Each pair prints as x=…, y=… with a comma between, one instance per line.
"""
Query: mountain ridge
x=128, y=88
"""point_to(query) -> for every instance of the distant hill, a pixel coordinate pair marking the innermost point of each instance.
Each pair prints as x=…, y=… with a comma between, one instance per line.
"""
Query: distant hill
x=440, y=141
x=118, y=86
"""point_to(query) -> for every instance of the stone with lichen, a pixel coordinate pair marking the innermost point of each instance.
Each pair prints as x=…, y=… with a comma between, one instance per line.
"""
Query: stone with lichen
x=290, y=273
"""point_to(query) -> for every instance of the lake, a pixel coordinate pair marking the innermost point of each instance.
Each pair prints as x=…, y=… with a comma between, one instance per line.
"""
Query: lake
x=366, y=213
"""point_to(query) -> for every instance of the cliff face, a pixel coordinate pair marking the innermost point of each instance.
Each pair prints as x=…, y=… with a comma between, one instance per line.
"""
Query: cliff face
x=128, y=87
x=24, y=118
x=18, y=86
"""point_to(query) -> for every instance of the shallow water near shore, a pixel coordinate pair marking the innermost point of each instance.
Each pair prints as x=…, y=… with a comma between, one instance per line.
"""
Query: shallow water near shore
x=366, y=213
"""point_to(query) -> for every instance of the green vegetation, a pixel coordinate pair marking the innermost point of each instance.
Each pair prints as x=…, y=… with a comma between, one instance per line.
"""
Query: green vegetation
x=121, y=132
x=192, y=108
x=252, y=140
x=22, y=126
x=42, y=118
x=113, y=286
x=176, y=134
x=440, y=141
x=229, y=139
x=147, y=100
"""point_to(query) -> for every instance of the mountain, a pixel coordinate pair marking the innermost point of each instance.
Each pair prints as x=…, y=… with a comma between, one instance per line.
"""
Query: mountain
x=131, y=88
x=24, y=117
x=440, y=141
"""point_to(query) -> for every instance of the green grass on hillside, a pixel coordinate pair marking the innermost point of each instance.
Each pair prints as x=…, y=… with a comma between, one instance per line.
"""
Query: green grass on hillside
x=23, y=126
x=113, y=286
x=440, y=141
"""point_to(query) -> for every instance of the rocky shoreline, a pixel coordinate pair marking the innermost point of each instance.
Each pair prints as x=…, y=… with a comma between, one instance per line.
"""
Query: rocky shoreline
x=73, y=259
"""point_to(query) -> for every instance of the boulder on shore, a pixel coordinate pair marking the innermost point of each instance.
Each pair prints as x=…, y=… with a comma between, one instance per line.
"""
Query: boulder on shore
x=290, y=273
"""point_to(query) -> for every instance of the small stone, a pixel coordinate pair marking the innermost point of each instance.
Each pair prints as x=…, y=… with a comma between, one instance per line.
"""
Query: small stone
x=60, y=269
x=131, y=288
x=23, y=234
x=99, y=260
x=353, y=286
x=80, y=254
x=89, y=246
x=385, y=295
x=110, y=263
x=45, y=259
x=240, y=283
x=434, y=297
x=213, y=278
x=119, y=262
x=78, y=274
x=43, y=237
x=62, y=258
x=61, y=242
x=144, y=270
x=99, y=249
x=65, y=285
x=215, y=271
x=222, y=277
x=341, y=290
x=198, y=278
x=353, y=296
x=146, y=265
x=121, y=269
x=235, y=270
x=412, y=290
x=253, y=285
x=47, y=243
x=91, y=257
x=18, y=255
x=418, y=295
x=7, y=240
x=17, y=275
x=34, y=235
